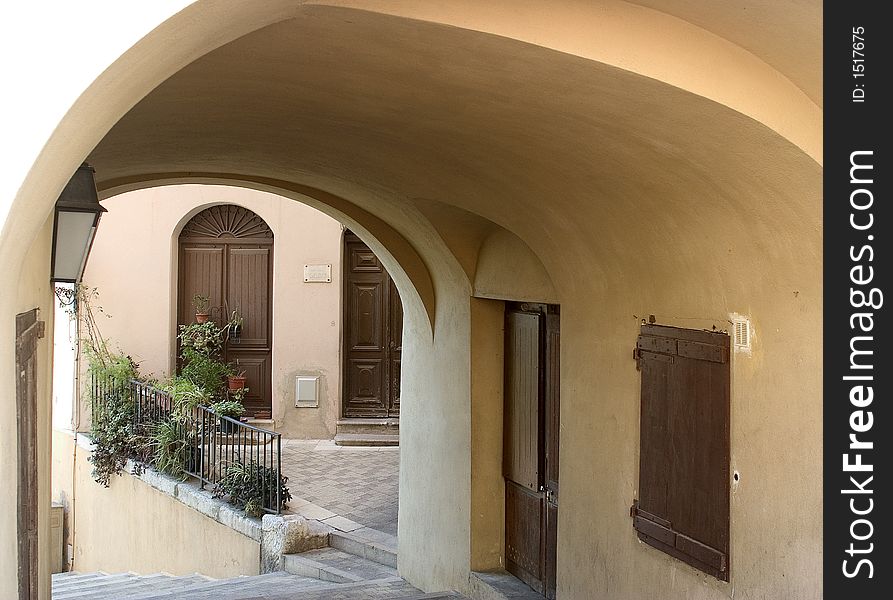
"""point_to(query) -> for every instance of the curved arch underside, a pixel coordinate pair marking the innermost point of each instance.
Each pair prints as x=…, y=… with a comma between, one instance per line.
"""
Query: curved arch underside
x=577, y=158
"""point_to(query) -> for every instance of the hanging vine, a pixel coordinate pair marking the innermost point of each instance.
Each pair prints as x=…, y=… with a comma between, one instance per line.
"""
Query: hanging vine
x=110, y=373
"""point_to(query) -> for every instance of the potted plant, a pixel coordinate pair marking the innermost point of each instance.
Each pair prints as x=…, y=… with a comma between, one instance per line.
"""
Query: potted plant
x=228, y=408
x=235, y=326
x=201, y=304
x=201, y=345
x=236, y=382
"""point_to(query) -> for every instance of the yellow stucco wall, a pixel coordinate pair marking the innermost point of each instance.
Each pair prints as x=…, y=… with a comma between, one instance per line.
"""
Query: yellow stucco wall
x=131, y=526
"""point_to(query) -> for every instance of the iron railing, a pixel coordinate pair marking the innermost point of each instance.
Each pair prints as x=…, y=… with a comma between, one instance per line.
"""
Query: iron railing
x=214, y=446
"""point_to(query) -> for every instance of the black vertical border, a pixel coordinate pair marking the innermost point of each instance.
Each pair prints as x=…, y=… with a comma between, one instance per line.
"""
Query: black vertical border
x=851, y=126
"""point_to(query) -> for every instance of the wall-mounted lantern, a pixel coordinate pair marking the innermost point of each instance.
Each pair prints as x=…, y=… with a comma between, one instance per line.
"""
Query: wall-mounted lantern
x=74, y=226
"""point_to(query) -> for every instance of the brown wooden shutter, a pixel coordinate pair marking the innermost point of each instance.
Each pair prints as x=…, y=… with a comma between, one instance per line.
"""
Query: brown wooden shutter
x=683, y=505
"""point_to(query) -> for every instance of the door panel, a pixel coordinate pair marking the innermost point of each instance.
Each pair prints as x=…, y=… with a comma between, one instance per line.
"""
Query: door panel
x=365, y=302
x=365, y=393
x=524, y=534
x=248, y=291
x=373, y=324
x=256, y=364
x=522, y=400
x=201, y=272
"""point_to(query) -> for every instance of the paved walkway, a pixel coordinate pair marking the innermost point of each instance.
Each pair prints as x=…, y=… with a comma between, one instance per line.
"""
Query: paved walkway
x=350, y=488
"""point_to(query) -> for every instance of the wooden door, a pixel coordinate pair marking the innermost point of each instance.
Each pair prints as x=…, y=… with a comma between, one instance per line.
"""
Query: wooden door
x=226, y=253
x=28, y=331
x=531, y=440
x=373, y=335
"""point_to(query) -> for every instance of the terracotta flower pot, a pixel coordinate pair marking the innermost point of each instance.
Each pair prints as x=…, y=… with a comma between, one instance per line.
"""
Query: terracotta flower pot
x=201, y=317
x=235, y=383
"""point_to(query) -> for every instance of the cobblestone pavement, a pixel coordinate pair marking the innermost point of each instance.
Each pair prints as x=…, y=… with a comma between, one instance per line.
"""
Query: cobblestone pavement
x=344, y=486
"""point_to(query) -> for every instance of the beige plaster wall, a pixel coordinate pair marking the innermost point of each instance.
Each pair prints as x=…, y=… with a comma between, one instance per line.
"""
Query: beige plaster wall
x=487, y=484
x=134, y=266
x=131, y=526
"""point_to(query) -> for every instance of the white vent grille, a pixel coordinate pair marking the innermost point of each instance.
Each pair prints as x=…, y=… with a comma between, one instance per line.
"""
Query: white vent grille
x=742, y=334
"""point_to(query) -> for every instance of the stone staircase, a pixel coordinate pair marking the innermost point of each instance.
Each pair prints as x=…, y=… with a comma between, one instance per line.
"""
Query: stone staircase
x=353, y=568
x=272, y=586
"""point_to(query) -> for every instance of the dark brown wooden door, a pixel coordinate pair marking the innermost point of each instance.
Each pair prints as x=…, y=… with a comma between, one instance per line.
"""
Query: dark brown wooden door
x=373, y=335
x=530, y=466
x=28, y=331
x=226, y=253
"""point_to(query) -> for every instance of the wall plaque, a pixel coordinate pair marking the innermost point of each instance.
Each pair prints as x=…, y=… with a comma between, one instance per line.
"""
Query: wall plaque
x=317, y=273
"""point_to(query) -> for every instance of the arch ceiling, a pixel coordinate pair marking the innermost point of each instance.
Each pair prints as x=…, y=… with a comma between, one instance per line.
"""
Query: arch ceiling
x=550, y=146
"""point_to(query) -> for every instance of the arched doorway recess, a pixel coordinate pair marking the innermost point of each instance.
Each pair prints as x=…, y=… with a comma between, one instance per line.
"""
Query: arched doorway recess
x=226, y=255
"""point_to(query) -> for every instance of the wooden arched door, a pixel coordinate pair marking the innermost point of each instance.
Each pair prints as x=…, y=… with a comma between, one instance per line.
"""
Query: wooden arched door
x=226, y=253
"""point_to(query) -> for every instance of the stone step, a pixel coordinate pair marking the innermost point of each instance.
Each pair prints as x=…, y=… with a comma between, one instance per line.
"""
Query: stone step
x=366, y=439
x=372, y=545
x=95, y=587
x=243, y=586
x=331, y=564
x=375, y=426
x=380, y=589
x=500, y=585
x=64, y=580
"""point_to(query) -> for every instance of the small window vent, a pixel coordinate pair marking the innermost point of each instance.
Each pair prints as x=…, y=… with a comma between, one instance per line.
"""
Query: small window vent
x=742, y=333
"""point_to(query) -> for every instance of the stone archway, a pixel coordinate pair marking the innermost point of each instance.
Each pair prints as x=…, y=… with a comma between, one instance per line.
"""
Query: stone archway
x=625, y=180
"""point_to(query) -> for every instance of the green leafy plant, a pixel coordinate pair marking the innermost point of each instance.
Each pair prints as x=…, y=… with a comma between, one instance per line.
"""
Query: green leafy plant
x=112, y=427
x=228, y=408
x=252, y=487
x=200, y=348
x=112, y=433
x=238, y=395
x=201, y=304
x=204, y=339
x=168, y=447
x=186, y=395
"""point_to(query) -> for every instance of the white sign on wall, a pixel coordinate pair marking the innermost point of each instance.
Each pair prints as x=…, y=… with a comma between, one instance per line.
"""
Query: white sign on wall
x=317, y=273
